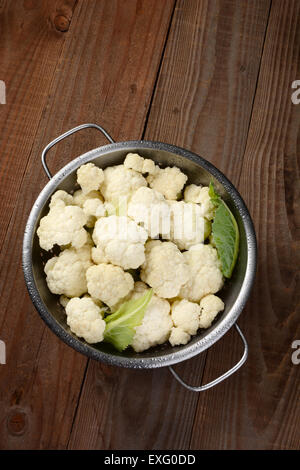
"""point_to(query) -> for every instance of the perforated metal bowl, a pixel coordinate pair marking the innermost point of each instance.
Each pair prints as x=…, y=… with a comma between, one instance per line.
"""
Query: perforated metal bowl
x=234, y=293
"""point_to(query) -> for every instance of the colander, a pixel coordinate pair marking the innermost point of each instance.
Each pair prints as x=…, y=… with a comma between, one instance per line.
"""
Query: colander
x=235, y=292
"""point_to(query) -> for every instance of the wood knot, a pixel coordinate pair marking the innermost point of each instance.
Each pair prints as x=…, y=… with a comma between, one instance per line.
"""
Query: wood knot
x=61, y=23
x=16, y=422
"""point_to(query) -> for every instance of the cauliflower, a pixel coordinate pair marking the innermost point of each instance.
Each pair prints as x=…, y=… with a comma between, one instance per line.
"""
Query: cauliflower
x=186, y=315
x=210, y=306
x=157, y=323
x=121, y=241
x=89, y=177
x=205, y=272
x=164, y=269
x=143, y=165
x=79, y=197
x=150, y=208
x=61, y=195
x=168, y=181
x=98, y=255
x=66, y=272
x=85, y=320
x=200, y=195
x=108, y=283
x=94, y=207
x=120, y=181
x=62, y=225
x=63, y=300
x=188, y=227
x=178, y=336
x=113, y=224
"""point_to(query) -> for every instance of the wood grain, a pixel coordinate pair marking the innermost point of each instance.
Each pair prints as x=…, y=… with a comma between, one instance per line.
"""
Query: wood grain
x=203, y=101
x=259, y=407
x=30, y=48
x=105, y=73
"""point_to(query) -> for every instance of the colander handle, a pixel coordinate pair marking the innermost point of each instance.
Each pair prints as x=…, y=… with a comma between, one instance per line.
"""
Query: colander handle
x=66, y=134
x=222, y=377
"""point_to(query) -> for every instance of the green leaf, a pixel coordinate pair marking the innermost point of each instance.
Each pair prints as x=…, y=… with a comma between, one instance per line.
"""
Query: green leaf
x=225, y=233
x=120, y=326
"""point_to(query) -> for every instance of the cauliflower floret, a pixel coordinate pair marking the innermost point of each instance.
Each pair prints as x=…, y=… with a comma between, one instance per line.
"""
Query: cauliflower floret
x=120, y=181
x=121, y=240
x=186, y=315
x=98, y=255
x=61, y=195
x=135, y=162
x=178, y=336
x=210, y=306
x=94, y=207
x=63, y=300
x=188, y=227
x=150, y=208
x=79, y=198
x=89, y=177
x=192, y=193
x=66, y=272
x=108, y=283
x=205, y=272
x=149, y=166
x=164, y=269
x=157, y=323
x=62, y=225
x=200, y=195
x=85, y=320
x=96, y=301
x=168, y=181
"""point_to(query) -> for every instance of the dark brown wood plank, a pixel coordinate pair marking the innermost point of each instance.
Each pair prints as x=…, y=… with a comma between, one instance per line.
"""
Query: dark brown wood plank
x=203, y=101
x=27, y=28
x=106, y=72
x=259, y=407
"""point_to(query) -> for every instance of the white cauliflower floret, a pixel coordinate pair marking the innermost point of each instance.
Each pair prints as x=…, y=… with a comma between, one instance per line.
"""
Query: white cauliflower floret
x=149, y=166
x=98, y=255
x=188, y=227
x=192, y=193
x=149, y=208
x=164, y=269
x=85, y=320
x=157, y=323
x=63, y=300
x=168, y=181
x=108, y=283
x=94, y=207
x=93, y=200
x=186, y=315
x=178, y=336
x=120, y=181
x=121, y=240
x=66, y=272
x=62, y=225
x=61, y=195
x=210, y=306
x=143, y=165
x=79, y=197
x=200, y=195
x=89, y=177
x=205, y=272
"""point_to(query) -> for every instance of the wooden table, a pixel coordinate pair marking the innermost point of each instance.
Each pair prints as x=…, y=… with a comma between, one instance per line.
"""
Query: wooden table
x=214, y=77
